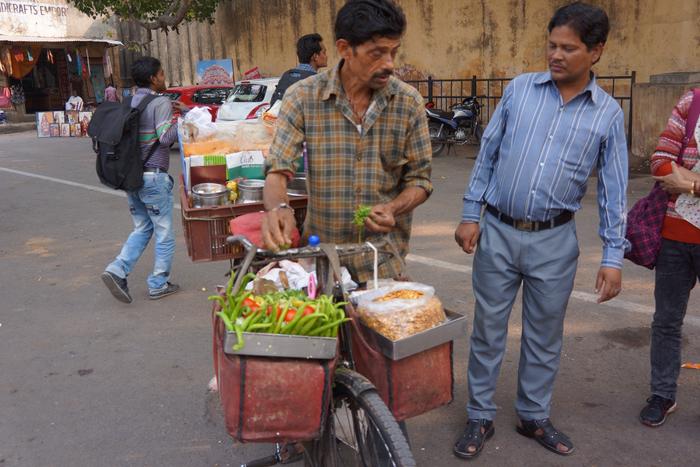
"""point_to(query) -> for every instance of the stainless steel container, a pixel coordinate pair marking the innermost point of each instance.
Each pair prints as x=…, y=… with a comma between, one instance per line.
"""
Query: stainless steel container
x=250, y=191
x=209, y=194
x=297, y=187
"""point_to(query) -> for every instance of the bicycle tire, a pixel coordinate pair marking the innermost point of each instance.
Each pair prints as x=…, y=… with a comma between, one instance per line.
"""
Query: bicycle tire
x=331, y=450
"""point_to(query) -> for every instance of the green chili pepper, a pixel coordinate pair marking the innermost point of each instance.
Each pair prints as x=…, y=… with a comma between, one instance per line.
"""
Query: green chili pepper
x=328, y=326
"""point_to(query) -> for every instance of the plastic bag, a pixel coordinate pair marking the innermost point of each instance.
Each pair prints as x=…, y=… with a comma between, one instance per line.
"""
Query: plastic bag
x=401, y=309
x=197, y=125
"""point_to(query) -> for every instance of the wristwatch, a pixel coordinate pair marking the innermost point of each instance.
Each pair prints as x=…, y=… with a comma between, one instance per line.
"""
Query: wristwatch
x=282, y=206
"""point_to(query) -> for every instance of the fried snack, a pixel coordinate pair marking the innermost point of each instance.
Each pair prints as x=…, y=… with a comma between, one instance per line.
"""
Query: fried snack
x=402, y=323
x=404, y=294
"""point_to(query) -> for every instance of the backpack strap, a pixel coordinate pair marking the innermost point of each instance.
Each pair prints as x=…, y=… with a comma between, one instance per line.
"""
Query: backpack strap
x=691, y=119
x=140, y=108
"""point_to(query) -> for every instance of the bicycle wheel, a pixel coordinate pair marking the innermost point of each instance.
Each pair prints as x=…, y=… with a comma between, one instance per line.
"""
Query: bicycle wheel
x=361, y=431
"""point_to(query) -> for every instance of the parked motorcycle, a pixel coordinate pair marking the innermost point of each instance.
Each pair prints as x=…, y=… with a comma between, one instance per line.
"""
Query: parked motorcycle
x=459, y=126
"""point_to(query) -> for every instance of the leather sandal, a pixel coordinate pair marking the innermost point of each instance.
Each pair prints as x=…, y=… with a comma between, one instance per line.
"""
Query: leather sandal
x=550, y=436
x=473, y=437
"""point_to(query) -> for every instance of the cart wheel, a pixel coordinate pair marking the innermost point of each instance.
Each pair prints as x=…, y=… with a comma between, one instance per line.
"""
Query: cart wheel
x=360, y=431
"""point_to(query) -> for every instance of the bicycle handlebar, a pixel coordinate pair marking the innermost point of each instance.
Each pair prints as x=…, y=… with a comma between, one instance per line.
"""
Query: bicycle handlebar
x=347, y=249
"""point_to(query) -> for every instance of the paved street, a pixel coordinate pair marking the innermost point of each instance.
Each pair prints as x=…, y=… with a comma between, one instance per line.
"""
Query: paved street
x=88, y=381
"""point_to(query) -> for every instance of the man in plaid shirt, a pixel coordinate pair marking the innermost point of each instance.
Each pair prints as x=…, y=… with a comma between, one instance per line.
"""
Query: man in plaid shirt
x=367, y=141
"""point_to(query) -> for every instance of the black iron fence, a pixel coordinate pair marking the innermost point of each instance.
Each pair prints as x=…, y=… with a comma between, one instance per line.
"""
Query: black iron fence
x=444, y=93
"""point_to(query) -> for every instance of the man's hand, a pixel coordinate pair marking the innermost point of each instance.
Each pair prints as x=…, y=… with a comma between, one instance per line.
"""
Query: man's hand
x=178, y=105
x=677, y=181
x=466, y=236
x=277, y=227
x=608, y=283
x=381, y=219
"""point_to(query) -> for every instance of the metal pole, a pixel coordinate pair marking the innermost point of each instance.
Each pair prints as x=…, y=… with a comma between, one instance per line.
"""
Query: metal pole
x=633, y=80
x=430, y=89
x=473, y=85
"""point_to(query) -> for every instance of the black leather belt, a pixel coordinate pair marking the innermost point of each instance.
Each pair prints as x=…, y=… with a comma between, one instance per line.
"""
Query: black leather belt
x=531, y=226
x=154, y=170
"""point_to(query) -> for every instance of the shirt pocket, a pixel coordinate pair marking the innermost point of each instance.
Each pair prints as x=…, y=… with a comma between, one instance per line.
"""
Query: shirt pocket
x=392, y=153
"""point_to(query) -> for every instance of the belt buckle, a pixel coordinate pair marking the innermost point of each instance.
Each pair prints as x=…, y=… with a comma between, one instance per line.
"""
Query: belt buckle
x=526, y=226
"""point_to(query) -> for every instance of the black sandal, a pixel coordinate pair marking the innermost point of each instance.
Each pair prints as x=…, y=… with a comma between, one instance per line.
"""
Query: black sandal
x=550, y=436
x=473, y=437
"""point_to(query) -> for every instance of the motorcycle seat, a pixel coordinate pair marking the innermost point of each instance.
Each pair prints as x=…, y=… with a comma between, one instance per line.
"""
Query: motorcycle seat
x=447, y=114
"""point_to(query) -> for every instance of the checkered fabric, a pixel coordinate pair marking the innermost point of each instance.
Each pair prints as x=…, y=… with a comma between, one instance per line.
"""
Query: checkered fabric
x=348, y=167
x=644, y=222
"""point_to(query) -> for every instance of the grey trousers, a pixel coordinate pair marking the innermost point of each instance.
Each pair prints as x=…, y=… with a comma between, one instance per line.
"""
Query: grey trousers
x=545, y=263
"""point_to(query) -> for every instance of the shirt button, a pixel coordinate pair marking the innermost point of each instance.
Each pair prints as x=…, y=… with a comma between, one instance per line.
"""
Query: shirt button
x=533, y=192
x=551, y=136
x=561, y=108
x=358, y=190
x=359, y=157
x=541, y=164
x=529, y=217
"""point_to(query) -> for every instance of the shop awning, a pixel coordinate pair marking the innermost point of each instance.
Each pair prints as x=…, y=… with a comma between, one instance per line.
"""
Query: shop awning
x=57, y=40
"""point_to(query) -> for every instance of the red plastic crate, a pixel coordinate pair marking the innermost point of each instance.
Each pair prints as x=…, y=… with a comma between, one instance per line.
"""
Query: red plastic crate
x=206, y=229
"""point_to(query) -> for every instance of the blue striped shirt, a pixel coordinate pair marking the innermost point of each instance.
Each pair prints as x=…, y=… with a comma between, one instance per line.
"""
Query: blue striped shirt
x=537, y=154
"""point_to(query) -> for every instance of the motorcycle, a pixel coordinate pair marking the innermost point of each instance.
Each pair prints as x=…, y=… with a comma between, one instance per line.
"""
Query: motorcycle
x=459, y=126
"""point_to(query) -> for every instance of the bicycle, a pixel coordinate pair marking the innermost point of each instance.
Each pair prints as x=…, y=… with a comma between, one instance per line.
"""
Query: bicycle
x=361, y=430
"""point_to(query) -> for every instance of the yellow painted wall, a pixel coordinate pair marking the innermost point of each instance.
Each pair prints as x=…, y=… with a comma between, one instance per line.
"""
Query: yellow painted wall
x=445, y=38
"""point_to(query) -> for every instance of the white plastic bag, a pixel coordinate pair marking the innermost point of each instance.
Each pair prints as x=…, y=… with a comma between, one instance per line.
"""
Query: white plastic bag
x=398, y=318
x=197, y=125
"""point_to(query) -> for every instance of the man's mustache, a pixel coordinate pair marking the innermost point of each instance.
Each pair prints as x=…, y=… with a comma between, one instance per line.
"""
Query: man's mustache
x=383, y=74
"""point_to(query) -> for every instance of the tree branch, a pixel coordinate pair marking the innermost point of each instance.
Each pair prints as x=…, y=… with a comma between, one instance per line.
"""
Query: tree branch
x=171, y=19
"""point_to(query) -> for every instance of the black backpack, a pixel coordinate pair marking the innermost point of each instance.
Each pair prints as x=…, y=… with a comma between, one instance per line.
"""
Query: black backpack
x=288, y=78
x=114, y=130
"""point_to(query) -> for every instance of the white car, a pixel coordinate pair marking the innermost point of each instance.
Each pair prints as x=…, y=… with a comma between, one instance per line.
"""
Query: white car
x=249, y=99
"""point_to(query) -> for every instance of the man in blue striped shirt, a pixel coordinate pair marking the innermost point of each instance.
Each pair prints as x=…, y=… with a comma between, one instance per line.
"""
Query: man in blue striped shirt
x=548, y=133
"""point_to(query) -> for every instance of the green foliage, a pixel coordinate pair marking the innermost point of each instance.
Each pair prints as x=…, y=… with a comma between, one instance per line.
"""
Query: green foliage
x=152, y=14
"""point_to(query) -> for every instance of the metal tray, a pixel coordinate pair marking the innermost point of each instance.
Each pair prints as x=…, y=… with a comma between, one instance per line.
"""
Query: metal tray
x=455, y=326
x=282, y=346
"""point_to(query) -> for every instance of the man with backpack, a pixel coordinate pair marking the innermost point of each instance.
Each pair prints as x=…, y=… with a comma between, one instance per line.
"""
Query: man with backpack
x=312, y=56
x=151, y=204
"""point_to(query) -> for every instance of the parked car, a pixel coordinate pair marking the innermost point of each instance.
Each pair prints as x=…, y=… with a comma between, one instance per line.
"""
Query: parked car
x=200, y=96
x=249, y=99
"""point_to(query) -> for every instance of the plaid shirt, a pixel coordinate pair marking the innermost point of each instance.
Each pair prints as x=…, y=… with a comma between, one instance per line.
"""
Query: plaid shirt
x=346, y=168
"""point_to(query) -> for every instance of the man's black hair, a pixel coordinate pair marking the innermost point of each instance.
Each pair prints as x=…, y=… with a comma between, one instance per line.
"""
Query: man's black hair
x=307, y=46
x=590, y=22
x=143, y=69
x=359, y=21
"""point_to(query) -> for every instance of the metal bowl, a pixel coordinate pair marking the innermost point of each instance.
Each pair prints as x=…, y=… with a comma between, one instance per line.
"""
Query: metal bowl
x=250, y=191
x=209, y=194
x=297, y=187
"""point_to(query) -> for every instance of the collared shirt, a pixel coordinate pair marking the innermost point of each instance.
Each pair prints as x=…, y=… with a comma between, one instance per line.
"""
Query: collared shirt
x=347, y=167
x=305, y=67
x=155, y=123
x=537, y=154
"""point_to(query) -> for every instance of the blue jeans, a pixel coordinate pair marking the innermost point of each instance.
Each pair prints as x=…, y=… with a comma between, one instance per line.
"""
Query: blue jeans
x=677, y=270
x=152, y=212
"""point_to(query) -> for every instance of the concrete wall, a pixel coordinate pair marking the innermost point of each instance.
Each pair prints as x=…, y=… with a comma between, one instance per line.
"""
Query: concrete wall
x=50, y=19
x=445, y=38
x=653, y=103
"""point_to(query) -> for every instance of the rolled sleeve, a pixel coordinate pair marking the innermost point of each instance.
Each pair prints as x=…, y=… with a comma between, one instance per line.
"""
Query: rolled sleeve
x=287, y=143
x=612, y=188
x=418, y=169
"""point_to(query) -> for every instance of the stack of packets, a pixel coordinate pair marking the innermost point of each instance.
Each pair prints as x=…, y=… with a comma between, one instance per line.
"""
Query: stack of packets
x=219, y=152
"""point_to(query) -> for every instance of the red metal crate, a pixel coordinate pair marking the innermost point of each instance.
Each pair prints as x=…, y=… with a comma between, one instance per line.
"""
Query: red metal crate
x=206, y=229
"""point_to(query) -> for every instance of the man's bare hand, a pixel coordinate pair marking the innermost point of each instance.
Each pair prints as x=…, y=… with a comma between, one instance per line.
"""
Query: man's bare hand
x=181, y=106
x=466, y=236
x=608, y=283
x=277, y=228
x=381, y=219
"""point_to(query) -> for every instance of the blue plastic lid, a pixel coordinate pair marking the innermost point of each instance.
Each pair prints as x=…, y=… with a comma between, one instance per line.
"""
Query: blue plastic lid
x=314, y=240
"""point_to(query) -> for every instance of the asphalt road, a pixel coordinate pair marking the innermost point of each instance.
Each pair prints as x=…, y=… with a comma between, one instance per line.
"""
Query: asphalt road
x=88, y=381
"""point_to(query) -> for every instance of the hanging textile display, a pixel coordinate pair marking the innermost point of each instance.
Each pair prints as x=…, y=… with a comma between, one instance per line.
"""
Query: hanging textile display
x=107, y=63
x=6, y=60
x=87, y=54
x=78, y=63
x=23, y=61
